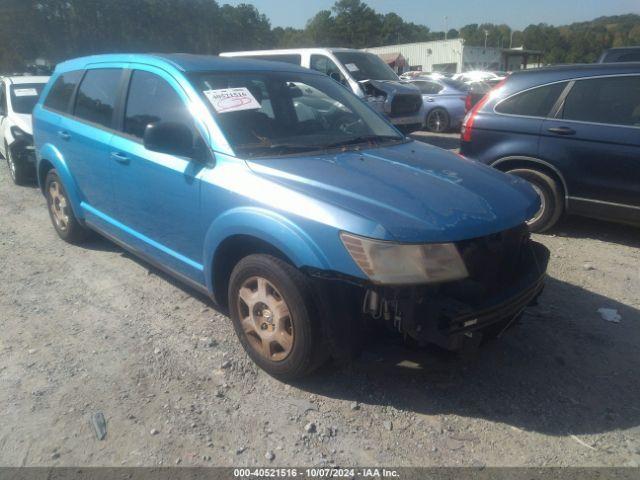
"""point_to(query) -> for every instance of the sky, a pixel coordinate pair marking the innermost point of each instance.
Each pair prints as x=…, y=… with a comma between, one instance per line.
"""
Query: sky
x=515, y=13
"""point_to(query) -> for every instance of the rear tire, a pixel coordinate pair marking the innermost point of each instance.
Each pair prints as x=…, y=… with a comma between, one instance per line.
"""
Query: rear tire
x=17, y=170
x=551, y=201
x=275, y=314
x=62, y=217
x=437, y=120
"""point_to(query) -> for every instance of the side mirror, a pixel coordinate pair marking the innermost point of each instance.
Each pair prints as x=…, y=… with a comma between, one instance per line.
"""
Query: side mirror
x=169, y=137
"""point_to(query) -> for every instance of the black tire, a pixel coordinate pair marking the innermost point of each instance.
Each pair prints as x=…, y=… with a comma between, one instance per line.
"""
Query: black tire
x=308, y=349
x=70, y=230
x=438, y=121
x=552, y=205
x=18, y=171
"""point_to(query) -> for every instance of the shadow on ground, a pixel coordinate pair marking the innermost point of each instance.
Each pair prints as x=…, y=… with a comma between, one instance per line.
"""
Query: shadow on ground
x=581, y=227
x=562, y=370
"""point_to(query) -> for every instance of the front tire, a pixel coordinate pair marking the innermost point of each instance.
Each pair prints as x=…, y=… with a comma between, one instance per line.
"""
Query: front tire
x=437, y=120
x=275, y=314
x=62, y=217
x=17, y=169
x=551, y=202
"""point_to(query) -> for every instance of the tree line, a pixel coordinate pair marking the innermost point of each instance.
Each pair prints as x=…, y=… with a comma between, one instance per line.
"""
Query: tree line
x=59, y=29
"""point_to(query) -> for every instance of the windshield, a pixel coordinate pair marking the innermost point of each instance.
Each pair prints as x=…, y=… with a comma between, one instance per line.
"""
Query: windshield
x=365, y=66
x=24, y=96
x=276, y=113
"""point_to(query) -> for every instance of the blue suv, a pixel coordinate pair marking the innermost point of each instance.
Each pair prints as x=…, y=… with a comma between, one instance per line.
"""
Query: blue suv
x=572, y=131
x=295, y=206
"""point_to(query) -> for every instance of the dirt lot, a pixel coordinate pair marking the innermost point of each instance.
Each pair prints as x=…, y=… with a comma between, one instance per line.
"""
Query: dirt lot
x=91, y=329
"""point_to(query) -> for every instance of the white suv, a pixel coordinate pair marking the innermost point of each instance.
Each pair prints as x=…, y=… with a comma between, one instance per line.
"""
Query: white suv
x=18, y=96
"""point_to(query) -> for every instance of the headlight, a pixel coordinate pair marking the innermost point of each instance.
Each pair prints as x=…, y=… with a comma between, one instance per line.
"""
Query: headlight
x=396, y=263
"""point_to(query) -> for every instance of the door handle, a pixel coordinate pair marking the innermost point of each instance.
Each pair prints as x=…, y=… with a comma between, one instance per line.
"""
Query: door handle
x=562, y=130
x=429, y=99
x=120, y=157
x=64, y=135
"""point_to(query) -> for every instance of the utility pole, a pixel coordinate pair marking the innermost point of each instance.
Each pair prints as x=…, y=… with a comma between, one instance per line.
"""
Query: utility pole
x=446, y=27
x=511, y=39
x=486, y=34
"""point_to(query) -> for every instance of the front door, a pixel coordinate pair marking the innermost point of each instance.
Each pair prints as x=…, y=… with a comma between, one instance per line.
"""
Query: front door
x=157, y=195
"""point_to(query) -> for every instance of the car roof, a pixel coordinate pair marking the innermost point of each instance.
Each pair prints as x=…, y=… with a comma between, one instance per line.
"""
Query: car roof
x=286, y=51
x=19, y=79
x=185, y=62
x=562, y=72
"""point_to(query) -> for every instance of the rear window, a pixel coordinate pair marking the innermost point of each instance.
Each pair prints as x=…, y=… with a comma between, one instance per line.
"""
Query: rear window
x=428, y=88
x=612, y=100
x=536, y=102
x=24, y=96
x=97, y=96
x=61, y=91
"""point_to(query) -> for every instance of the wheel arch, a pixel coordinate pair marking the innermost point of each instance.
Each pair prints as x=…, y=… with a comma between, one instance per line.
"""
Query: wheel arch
x=244, y=231
x=50, y=158
x=510, y=163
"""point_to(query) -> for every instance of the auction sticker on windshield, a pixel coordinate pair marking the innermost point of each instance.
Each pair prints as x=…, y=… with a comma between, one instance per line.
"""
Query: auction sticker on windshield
x=352, y=67
x=25, y=92
x=232, y=99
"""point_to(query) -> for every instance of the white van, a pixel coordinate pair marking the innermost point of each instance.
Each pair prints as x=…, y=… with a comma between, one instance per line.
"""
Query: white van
x=364, y=73
x=18, y=96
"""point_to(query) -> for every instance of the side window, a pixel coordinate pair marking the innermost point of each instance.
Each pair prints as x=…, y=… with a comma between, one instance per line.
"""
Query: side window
x=613, y=100
x=97, y=96
x=151, y=99
x=61, y=91
x=324, y=64
x=536, y=102
x=293, y=58
x=428, y=88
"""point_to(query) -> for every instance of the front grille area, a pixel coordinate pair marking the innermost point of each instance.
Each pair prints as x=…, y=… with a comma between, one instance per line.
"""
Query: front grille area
x=405, y=104
x=492, y=262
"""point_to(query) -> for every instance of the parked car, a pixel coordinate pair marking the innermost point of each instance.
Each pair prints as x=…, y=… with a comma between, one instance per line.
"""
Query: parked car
x=365, y=74
x=212, y=169
x=18, y=95
x=620, y=54
x=445, y=102
x=479, y=76
x=572, y=131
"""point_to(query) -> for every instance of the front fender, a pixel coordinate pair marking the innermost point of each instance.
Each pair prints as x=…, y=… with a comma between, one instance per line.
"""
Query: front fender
x=49, y=153
x=267, y=226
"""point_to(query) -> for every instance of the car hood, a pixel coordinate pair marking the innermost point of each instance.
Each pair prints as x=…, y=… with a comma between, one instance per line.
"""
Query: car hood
x=23, y=121
x=416, y=192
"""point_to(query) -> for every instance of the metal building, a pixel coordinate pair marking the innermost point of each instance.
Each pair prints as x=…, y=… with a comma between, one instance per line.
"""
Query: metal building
x=453, y=56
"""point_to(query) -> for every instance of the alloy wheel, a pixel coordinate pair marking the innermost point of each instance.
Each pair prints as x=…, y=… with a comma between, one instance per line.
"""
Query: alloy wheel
x=265, y=319
x=437, y=121
x=542, y=208
x=11, y=163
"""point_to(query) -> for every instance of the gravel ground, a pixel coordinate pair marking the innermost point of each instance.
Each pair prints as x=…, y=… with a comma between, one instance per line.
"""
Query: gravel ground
x=91, y=329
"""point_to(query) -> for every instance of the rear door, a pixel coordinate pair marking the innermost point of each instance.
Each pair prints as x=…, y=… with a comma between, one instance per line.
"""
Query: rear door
x=85, y=136
x=514, y=129
x=595, y=137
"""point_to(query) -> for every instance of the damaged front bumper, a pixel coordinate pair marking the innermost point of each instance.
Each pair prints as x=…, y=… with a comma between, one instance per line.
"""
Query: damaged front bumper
x=506, y=274
x=449, y=314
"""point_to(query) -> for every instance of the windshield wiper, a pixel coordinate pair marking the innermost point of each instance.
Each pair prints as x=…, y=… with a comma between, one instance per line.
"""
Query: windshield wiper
x=363, y=139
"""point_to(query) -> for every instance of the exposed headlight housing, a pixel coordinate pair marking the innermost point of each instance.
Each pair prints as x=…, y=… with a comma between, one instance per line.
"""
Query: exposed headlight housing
x=20, y=134
x=397, y=264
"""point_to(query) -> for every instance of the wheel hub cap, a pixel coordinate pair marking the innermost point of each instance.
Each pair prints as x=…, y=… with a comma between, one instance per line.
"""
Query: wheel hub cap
x=58, y=206
x=265, y=318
